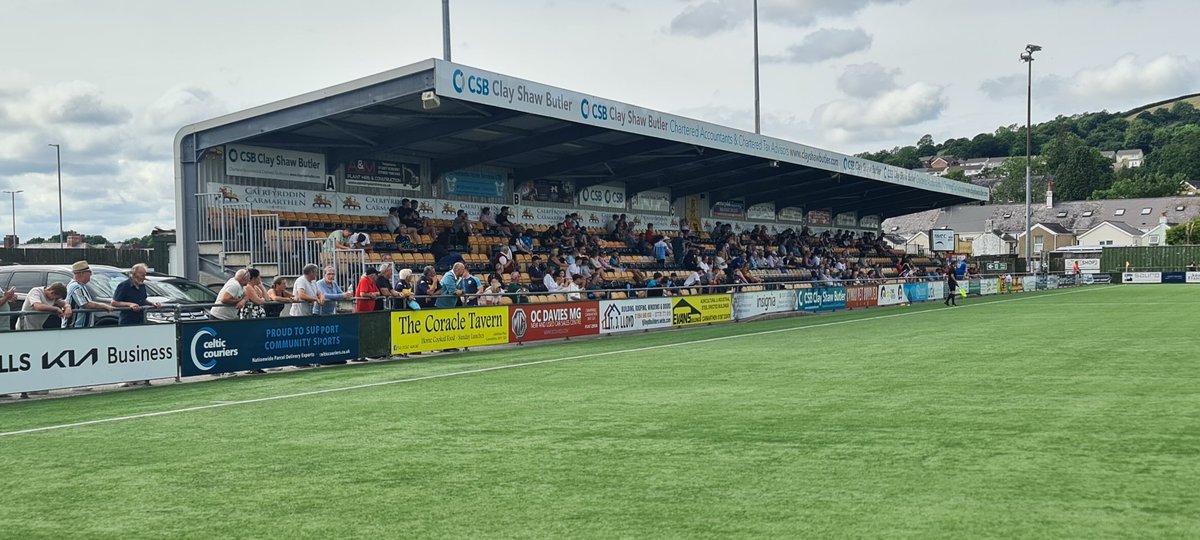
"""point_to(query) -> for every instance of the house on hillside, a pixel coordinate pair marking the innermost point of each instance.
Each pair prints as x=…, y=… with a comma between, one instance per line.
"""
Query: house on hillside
x=1111, y=233
x=1125, y=159
x=993, y=243
x=1046, y=237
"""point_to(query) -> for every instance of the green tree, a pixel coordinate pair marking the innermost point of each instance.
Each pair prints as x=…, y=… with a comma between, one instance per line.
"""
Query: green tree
x=94, y=240
x=1179, y=156
x=1139, y=134
x=1011, y=187
x=141, y=243
x=926, y=146
x=1077, y=169
x=956, y=174
x=37, y=240
x=1184, y=233
x=1139, y=183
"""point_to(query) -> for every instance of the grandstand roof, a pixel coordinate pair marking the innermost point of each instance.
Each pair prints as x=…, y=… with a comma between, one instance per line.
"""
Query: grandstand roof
x=482, y=118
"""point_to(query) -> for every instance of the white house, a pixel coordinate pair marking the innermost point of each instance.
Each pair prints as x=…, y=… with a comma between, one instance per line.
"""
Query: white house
x=1158, y=235
x=993, y=243
x=917, y=244
x=1112, y=233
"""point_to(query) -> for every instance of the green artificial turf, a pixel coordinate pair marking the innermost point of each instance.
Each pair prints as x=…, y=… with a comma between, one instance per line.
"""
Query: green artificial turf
x=1073, y=413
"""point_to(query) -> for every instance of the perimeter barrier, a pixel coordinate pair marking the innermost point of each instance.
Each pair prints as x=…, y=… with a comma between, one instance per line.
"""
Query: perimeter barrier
x=54, y=359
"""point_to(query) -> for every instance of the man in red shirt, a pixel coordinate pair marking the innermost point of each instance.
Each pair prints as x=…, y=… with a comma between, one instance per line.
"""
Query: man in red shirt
x=366, y=292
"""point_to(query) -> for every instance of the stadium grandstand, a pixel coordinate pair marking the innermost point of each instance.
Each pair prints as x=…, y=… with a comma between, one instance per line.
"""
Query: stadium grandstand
x=473, y=160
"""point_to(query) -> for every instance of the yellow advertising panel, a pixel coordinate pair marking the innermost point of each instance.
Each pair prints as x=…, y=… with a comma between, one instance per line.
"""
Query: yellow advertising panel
x=691, y=211
x=437, y=329
x=686, y=310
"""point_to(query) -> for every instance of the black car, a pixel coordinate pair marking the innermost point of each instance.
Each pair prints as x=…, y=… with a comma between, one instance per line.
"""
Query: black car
x=166, y=290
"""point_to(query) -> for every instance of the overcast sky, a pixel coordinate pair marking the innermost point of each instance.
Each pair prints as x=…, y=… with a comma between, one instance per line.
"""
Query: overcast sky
x=113, y=81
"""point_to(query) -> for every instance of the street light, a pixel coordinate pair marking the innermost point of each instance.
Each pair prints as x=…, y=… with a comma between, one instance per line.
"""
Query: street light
x=1027, y=57
x=14, y=209
x=757, y=111
x=62, y=236
x=446, y=30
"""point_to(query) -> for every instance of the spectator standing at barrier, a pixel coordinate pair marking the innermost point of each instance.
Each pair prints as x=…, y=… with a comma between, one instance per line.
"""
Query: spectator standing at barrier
x=471, y=288
x=367, y=291
x=78, y=297
x=387, y=292
x=280, y=297
x=307, y=296
x=50, y=300
x=7, y=322
x=952, y=287
x=337, y=240
x=232, y=297
x=131, y=293
x=360, y=240
x=427, y=287
x=331, y=291
x=451, y=287
x=256, y=296
x=403, y=289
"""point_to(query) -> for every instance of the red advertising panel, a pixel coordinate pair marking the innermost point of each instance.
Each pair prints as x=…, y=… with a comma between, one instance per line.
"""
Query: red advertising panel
x=861, y=297
x=531, y=322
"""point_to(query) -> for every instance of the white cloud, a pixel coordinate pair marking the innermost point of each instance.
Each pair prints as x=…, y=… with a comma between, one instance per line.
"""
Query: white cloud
x=713, y=16
x=1130, y=77
x=866, y=80
x=824, y=44
x=912, y=104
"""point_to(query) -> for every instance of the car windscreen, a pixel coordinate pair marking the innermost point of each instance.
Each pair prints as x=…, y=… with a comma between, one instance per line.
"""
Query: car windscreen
x=104, y=284
x=182, y=291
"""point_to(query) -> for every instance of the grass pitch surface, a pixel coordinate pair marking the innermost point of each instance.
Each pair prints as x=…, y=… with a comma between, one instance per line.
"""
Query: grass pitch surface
x=1073, y=413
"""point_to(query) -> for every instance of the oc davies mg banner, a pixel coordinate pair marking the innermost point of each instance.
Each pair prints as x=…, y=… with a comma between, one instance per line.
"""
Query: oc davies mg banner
x=635, y=314
x=432, y=330
x=227, y=346
x=711, y=308
x=531, y=323
x=862, y=296
x=822, y=299
x=32, y=361
x=890, y=295
x=753, y=304
x=916, y=292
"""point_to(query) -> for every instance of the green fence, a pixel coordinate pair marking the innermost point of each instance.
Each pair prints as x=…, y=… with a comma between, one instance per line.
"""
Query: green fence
x=1149, y=258
x=122, y=258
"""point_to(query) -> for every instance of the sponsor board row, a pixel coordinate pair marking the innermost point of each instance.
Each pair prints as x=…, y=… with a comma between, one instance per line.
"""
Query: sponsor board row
x=1160, y=277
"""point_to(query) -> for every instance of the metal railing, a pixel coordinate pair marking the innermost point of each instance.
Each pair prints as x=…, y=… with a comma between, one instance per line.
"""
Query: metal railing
x=208, y=215
x=293, y=250
x=264, y=239
x=235, y=227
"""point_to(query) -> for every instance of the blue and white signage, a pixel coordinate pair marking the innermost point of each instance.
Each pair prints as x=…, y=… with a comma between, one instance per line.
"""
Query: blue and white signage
x=227, y=346
x=31, y=361
x=603, y=196
x=826, y=299
x=469, y=84
x=476, y=182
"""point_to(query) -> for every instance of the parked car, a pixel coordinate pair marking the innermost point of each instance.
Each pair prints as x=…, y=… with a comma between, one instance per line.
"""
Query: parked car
x=193, y=298
x=27, y=276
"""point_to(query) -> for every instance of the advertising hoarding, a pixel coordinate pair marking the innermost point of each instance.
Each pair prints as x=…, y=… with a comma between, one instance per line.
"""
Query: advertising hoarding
x=819, y=218
x=862, y=296
x=274, y=163
x=531, y=322
x=701, y=309
x=916, y=292
x=754, y=304
x=1141, y=277
x=651, y=201
x=603, y=196
x=32, y=361
x=437, y=329
x=635, y=314
x=729, y=210
x=941, y=240
x=383, y=174
x=825, y=299
x=546, y=190
x=890, y=295
x=476, y=182
x=215, y=347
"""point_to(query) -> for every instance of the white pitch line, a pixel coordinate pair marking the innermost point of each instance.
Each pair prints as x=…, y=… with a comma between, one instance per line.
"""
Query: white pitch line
x=509, y=366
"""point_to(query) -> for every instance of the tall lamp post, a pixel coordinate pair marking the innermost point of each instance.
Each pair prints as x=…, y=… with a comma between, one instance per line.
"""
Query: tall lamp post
x=1027, y=57
x=757, y=111
x=14, y=209
x=62, y=236
x=446, y=30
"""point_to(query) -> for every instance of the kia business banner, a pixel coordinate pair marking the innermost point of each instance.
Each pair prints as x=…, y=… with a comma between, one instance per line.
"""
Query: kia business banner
x=862, y=297
x=227, y=346
x=754, y=304
x=635, y=314
x=827, y=299
x=31, y=361
x=534, y=322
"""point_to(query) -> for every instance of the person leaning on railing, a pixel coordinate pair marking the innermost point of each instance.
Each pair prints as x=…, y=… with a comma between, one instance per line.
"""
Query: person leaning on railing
x=307, y=296
x=7, y=322
x=49, y=300
x=78, y=297
x=331, y=291
x=131, y=293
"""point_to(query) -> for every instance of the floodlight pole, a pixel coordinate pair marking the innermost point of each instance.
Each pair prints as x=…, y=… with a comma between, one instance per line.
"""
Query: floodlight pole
x=757, y=110
x=1027, y=57
x=62, y=235
x=446, y=30
x=14, y=209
